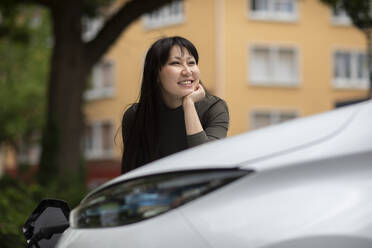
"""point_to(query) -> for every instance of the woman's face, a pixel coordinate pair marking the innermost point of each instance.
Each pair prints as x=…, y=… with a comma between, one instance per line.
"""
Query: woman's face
x=179, y=76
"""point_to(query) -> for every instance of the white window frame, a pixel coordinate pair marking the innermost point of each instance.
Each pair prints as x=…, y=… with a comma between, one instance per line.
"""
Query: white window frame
x=271, y=15
x=97, y=151
x=91, y=27
x=98, y=90
x=164, y=17
x=342, y=19
x=353, y=82
x=273, y=79
x=274, y=115
x=30, y=150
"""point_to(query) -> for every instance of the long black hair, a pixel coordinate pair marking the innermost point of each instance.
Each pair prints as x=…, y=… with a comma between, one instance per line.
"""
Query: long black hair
x=141, y=144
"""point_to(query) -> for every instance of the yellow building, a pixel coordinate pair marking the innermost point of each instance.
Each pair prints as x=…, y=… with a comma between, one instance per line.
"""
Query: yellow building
x=271, y=60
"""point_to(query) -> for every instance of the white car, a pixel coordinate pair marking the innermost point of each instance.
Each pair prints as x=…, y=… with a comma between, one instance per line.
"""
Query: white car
x=304, y=183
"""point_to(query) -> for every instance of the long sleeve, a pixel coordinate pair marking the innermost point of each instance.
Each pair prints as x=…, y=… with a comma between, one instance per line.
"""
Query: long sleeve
x=215, y=122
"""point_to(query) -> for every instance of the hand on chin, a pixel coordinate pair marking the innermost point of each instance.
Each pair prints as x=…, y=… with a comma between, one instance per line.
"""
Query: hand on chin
x=197, y=94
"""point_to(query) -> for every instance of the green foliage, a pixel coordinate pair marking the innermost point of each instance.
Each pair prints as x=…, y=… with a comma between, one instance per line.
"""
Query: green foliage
x=18, y=200
x=23, y=74
x=360, y=13
x=12, y=25
x=358, y=10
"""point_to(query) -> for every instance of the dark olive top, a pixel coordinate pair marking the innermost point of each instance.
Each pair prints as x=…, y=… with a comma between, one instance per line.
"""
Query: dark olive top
x=213, y=115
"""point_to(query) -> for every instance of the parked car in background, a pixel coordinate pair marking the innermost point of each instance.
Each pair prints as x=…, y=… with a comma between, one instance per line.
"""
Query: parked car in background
x=304, y=183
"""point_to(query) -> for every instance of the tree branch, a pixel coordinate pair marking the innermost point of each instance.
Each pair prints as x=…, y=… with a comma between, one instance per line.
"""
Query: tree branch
x=112, y=29
x=46, y=3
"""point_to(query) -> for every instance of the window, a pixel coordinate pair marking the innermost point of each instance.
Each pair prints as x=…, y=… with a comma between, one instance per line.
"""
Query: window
x=102, y=81
x=99, y=141
x=339, y=16
x=91, y=27
x=29, y=149
x=170, y=14
x=280, y=10
x=274, y=66
x=350, y=69
x=265, y=118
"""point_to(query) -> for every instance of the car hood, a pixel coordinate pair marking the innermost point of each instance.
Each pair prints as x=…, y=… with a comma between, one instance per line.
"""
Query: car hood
x=283, y=143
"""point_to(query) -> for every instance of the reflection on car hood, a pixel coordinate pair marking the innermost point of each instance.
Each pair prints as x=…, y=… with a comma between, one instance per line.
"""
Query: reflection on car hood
x=313, y=137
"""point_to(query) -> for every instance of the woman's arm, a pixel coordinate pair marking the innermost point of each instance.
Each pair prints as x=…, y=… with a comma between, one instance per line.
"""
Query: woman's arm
x=216, y=120
x=192, y=121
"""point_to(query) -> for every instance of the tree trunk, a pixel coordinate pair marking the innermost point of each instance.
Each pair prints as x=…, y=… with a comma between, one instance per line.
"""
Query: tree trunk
x=70, y=64
x=61, y=149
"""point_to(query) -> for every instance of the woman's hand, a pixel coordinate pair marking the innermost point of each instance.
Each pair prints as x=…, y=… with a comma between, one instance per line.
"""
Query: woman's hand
x=197, y=95
x=192, y=122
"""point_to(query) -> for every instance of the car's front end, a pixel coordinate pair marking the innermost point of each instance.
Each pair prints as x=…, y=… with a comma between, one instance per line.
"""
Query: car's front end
x=306, y=183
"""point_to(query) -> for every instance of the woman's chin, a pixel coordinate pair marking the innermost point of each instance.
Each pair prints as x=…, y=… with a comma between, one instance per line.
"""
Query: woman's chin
x=186, y=92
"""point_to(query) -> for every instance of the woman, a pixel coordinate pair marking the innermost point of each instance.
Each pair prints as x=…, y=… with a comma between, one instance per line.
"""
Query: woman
x=174, y=112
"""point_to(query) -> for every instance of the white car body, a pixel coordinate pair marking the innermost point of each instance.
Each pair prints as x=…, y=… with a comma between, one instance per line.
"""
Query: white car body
x=311, y=187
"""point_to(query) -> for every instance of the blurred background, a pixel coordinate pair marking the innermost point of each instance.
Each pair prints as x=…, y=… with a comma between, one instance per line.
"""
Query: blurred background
x=68, y=71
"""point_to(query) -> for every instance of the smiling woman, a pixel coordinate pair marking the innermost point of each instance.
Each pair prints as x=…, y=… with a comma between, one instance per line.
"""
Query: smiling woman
x=179, y=77
x=174, y=111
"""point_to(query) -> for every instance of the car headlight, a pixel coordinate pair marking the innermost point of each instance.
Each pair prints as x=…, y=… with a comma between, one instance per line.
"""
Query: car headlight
x=145, y=197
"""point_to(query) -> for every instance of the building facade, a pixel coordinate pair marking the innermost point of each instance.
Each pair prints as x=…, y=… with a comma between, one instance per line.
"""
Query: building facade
x=271, y=60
